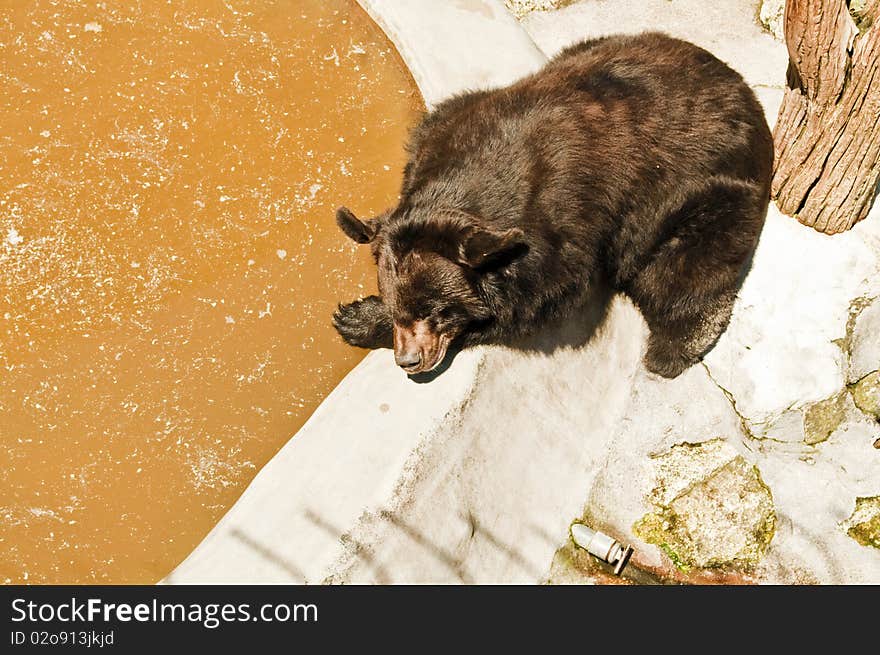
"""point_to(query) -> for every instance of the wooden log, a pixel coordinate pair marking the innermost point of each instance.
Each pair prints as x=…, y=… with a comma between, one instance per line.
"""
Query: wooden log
x=827, y=135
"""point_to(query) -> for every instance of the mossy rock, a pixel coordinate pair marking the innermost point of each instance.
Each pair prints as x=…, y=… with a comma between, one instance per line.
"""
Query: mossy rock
x=821, y=419
x=771, y=17
x=866, y=394
x=522, y=8
x=720, y=513
x=864, y=524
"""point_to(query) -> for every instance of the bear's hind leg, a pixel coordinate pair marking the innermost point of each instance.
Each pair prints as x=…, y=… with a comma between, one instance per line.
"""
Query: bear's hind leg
x=677, y=343
x=688, y=285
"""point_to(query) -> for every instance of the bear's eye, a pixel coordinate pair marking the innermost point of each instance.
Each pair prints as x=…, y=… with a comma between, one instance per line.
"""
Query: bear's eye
x=426, y=309
x=445, y=315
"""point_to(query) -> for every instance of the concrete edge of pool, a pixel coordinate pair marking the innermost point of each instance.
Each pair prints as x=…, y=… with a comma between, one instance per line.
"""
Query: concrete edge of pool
x=394, y=481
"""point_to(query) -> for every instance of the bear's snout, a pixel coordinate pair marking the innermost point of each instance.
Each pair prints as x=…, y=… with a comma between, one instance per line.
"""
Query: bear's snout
x=417, y=348
x=408, y=359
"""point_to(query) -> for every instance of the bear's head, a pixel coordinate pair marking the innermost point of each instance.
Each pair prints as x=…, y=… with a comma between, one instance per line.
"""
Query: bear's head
x=432, y=266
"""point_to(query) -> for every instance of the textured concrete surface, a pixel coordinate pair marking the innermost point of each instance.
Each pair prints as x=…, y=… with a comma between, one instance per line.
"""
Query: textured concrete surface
x=759, y=465
x=783, y=350
x=471, y=478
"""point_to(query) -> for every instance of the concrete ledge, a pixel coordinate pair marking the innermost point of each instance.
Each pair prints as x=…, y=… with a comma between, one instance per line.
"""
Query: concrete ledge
x=452, y=46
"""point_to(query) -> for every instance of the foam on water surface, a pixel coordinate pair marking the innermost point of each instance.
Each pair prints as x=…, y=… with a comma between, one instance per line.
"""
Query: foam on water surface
x=169, y=260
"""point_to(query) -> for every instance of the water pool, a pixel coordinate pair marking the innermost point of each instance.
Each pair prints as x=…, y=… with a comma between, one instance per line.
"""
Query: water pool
x=169, y=260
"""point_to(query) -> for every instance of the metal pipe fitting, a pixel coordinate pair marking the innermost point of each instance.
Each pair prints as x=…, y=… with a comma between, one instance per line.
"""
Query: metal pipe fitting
x=600, y=545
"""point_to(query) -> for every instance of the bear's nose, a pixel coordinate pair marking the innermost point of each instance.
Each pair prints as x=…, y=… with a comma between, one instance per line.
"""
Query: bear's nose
x=408, y=360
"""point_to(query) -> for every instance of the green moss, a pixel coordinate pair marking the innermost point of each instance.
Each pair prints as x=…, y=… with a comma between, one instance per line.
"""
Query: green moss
x=655, y=529
x=868, y=533
x=675, y=558
x=864, y=524
x=821, y=419
x=649, y=528
x=866, y=394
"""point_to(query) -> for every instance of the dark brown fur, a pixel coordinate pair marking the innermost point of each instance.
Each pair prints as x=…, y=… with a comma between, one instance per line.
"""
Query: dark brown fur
x=640, y=160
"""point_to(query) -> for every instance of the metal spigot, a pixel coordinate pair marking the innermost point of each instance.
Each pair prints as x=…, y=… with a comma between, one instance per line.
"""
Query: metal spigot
x=606, y=548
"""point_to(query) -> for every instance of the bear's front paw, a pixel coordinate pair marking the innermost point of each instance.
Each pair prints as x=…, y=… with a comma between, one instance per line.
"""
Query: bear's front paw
x=365, y=323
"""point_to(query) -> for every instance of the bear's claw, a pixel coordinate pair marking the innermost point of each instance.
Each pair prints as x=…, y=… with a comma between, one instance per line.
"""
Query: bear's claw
x=364, y=323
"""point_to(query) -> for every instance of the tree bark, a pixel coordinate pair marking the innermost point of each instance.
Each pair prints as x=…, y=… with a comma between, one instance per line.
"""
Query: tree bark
x=827, y=136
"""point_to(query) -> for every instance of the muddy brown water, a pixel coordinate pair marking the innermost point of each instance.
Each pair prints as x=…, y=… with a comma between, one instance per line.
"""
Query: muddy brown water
x=169, y=259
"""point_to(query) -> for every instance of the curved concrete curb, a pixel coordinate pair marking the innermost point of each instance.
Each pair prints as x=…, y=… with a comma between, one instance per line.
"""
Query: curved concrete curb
x=452, y=46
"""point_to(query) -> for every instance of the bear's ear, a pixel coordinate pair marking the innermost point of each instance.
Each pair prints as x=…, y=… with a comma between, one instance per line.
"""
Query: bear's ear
x=488, y=249
x=355, y=228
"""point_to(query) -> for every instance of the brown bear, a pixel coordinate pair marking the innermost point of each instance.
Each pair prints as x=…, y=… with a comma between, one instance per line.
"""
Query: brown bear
x=642, y=162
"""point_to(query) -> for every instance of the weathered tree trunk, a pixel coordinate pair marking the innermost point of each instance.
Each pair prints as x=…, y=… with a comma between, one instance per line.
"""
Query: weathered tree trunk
x=827, y=136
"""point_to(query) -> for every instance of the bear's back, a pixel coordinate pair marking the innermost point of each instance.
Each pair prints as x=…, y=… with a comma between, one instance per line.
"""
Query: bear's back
x=690, y=107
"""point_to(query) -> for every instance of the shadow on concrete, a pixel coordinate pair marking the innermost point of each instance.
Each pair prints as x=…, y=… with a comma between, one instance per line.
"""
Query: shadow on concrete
x=268, y=554
x=478, y=530
x=455, y=564
x=361, y=551
x=545, y=536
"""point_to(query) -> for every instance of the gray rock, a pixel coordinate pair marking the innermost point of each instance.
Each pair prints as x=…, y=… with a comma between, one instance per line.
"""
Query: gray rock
x=771, y=17
x=864, y=343
x=522, y=8
x=634, y=477
x=866, y=394
x=813, y=489
x=649, y=473
x=711, y=508
x=821, y=419
x=781, y=352
x=864, y=524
